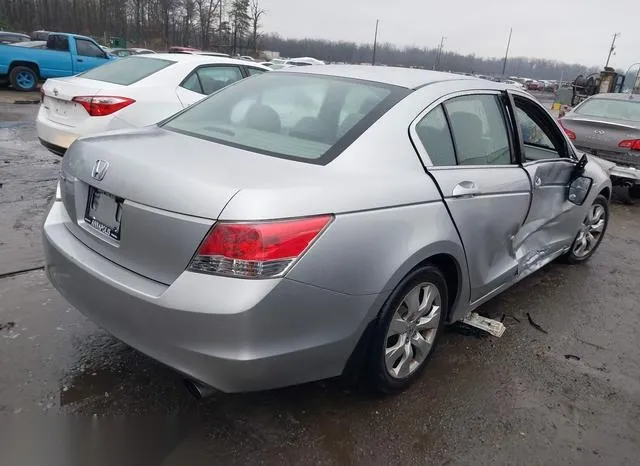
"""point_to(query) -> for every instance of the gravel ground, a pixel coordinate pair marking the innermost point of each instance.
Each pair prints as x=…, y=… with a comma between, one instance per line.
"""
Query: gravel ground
x=569, y=395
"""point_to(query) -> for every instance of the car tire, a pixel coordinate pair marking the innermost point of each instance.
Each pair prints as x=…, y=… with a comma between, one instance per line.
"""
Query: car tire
x=23, y=79
x=626, y=194
x=577, y=254
x=405, y=336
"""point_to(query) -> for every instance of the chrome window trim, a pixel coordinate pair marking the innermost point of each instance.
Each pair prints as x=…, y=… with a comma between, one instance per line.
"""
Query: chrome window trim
x=417, y=143
x=571, y=149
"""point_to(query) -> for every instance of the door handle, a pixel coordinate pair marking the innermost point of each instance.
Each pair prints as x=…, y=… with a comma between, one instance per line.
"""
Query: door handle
x=465, y=189
x=80, y=60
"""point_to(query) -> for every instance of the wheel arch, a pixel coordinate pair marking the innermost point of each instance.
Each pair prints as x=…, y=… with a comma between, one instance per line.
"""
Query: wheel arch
x=28, y=64
x=606, y=192
x=449, y=258
x=450, y=263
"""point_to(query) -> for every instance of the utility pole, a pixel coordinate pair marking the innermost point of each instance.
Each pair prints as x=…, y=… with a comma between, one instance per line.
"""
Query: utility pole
x=439, y=53
x=506, y=54
x=375, y=44
x=219, y=25
x=612, y=48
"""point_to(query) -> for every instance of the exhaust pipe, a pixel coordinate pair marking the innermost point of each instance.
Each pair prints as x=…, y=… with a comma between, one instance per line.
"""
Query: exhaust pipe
x=197, y=389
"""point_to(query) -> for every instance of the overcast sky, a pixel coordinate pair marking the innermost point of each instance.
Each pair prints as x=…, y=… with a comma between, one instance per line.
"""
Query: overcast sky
x=575, y=31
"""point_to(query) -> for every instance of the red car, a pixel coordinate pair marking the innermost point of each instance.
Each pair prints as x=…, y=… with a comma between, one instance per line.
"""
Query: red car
x=534, y=86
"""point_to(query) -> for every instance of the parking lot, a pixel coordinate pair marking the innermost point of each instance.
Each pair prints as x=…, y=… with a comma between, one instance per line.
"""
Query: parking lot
x=563, y=391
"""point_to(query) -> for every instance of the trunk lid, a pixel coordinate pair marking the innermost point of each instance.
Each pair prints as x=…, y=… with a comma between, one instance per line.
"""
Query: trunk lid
x=170, y=188
x=59, y=93
x=601, y=134
x=601, y=137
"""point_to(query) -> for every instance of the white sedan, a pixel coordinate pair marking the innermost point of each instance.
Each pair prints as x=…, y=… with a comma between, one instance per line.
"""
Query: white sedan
x=136, y=91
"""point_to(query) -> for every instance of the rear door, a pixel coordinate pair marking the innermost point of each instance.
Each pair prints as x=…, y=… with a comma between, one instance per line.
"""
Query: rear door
x=206, y=80
x=88, y=55
x=469, y=150
x=552, y=221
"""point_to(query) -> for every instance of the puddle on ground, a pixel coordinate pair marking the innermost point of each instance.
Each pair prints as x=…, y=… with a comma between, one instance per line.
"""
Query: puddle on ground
x=89, y=383
x=11, y=116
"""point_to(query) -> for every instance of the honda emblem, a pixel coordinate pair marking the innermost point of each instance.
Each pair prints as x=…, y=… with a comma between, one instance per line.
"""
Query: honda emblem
x=99, y=169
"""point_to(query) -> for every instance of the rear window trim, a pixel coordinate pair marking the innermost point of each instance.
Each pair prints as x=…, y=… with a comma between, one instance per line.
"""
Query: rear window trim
x=132, y=57
x=210, y=65
x=396, y=94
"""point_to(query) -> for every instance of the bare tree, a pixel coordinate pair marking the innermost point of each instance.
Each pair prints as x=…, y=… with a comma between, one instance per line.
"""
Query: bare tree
x=206, y=10
x=255, y=12
x=189, y=9
x=240, y=17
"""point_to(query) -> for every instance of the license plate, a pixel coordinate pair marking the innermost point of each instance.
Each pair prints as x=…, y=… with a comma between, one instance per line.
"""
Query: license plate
x=103, y=213
x=57, y=107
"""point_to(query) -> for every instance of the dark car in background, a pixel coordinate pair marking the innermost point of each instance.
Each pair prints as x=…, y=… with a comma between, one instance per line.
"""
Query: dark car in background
x=13, y=37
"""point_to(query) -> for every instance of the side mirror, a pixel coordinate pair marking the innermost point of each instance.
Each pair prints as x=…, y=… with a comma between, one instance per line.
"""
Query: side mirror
x=579, y=189
x=578, y=170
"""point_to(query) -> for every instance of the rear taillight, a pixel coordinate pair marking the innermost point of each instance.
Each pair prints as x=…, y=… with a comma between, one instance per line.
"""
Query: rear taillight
x=631, y=144
x=256, y=250
x=567, y=131
x=103, y=105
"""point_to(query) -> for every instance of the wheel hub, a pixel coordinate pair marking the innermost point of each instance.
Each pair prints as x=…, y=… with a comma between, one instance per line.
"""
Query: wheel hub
x=412, y=330
x=590, y=232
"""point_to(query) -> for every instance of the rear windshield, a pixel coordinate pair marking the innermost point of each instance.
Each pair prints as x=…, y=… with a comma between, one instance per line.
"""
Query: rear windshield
x=299, y=116
x=127, y=70
x=609, y=108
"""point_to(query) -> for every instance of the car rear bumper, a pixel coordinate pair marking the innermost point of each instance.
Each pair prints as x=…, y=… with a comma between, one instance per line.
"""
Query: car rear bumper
x=235, y=335
x=628, y=158
x=53, y=148
x=58, y=137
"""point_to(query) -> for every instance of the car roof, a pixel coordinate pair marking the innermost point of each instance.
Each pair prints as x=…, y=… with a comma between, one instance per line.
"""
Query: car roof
x=410, y=78
x=9, y=33
x=616, y=96
x=189, y=58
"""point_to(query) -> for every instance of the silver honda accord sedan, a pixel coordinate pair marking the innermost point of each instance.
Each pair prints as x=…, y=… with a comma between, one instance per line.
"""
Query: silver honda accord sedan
x=309, y=223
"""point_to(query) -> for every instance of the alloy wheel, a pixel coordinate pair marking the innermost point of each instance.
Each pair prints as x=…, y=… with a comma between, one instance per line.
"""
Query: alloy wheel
x=591, y=231
x=412, y=330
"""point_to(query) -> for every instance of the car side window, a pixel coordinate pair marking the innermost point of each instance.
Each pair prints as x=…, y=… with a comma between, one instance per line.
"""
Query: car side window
x=87, y=48
x=433, y=132
x=254, y=71
x=540, y=136
x=532, y=134
x=59, y=43
x=214, y=78
x=192, y=83
x=479, y=130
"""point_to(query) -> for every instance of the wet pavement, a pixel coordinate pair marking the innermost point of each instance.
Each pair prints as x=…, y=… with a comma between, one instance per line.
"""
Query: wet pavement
x=567, y=395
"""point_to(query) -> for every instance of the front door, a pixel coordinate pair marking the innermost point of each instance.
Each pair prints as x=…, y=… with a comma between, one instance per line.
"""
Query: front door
x=552, y=221
x=88, y=55
x=469, y=152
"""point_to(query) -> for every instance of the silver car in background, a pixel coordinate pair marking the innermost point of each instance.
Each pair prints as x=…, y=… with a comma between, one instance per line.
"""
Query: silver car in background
x=608, y=126
x=303, y=224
